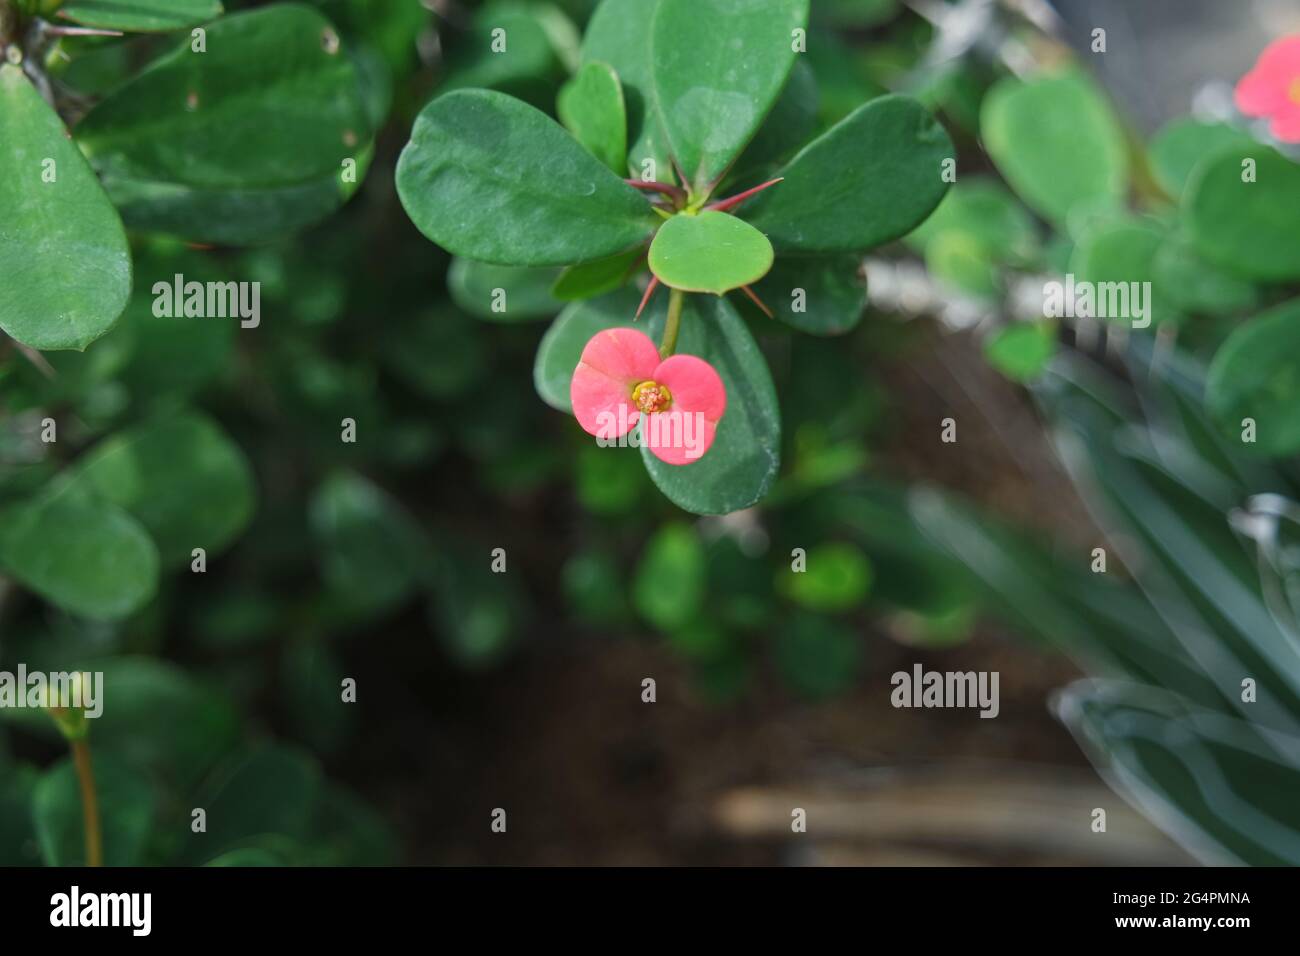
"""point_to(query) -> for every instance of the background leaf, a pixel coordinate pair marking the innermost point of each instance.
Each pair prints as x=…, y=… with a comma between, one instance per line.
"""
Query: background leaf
x=591, y=107
x=126, y=810
x=140, y=16
x=65, y=269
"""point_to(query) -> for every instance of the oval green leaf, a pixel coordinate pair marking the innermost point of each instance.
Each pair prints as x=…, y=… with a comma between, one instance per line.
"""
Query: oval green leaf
x=502, y=293
x=871, y=178
x=1256, y=375
x=65, y=268
x=590, y=279
x=820, y=296
x=1183, y=144
x=739, y=468
x=140, y=16
x=710, y=252
x=1057, y=142
x=490, y=178
x=1241, y=211
x=180, y=476
x=591, y=107
x=718, y=67
x=88, y=557
x=273, y=102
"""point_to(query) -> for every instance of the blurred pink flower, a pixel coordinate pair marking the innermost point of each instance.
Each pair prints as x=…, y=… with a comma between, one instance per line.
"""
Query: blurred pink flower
x=620, y=377
x=1272, y=88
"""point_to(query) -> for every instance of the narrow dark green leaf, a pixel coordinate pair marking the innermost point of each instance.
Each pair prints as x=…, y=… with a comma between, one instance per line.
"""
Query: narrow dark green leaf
x=871, y=178
x=65, y=268
x=718, y=66
x=490, y=178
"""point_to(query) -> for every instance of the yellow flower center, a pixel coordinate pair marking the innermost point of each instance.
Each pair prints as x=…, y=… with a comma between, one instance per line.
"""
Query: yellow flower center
x=652, y=397
x=1294, y=92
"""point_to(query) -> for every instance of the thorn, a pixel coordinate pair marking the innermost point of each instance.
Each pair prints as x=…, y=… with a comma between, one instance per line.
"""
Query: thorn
x=652, y=186
x=55, y=30
x=645, y=299
x=725, y=204
x=757, y=301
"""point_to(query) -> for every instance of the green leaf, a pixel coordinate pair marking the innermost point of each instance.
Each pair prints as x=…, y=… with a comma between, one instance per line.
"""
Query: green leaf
x=159, y=719
x=837, y=577
x=671, y=578
x=1056, y=141
x=1193, y=285
x=1119, y=255
x=65, y=268
x=718, y=66
x=561, y=347
x=140, y=16
x=821, y=296
x=1021, y=351
x=526, y=66
x=985, y=212
x=126, y=812
x=180, y=476
x=89, y=558
x=871, y=178
x=502, y=293
x=817, y=656
x=709, y=252
x=1249, y=228
x=591, y=107
x=1256, y=374
x=370, y=547
x=739, y=468
x=1180, y=146
x=590, y=279
x=270, y=791
x=792, y=122
x=274, y=103
x=618, y=34
x=490, y=178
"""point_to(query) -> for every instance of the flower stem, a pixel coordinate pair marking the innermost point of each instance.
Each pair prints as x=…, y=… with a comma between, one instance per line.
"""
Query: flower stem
x=674, y=322
x=89, y=802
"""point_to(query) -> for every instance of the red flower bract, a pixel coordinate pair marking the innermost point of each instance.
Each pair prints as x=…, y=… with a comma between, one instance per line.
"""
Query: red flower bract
x=621, y=378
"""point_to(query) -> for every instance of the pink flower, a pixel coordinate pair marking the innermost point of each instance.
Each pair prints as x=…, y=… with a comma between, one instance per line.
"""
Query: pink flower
x=1272, y=88
x=620, y=377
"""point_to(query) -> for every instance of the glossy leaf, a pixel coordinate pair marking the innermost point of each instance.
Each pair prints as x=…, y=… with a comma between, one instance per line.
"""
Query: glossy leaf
x=590, y=279
x=821, y=296
x=618, y=34
x=89, y=558
x=140, y=16
x=718, y=66
x=792, y=123
x=273, y=102
x=739, y=468
x=710, y=252
x=1240, y=211
x=65, y=268
x=490, y=178
x=871, y=178
x=126, y=808
x=1057, y=142
x=502, y=293
x=591, y=107
x=1255, y=375
x=180, y=476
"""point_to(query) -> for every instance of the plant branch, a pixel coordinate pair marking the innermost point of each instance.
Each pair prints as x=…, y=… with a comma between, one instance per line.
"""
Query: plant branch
x=89, y=801
x=673, y=324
